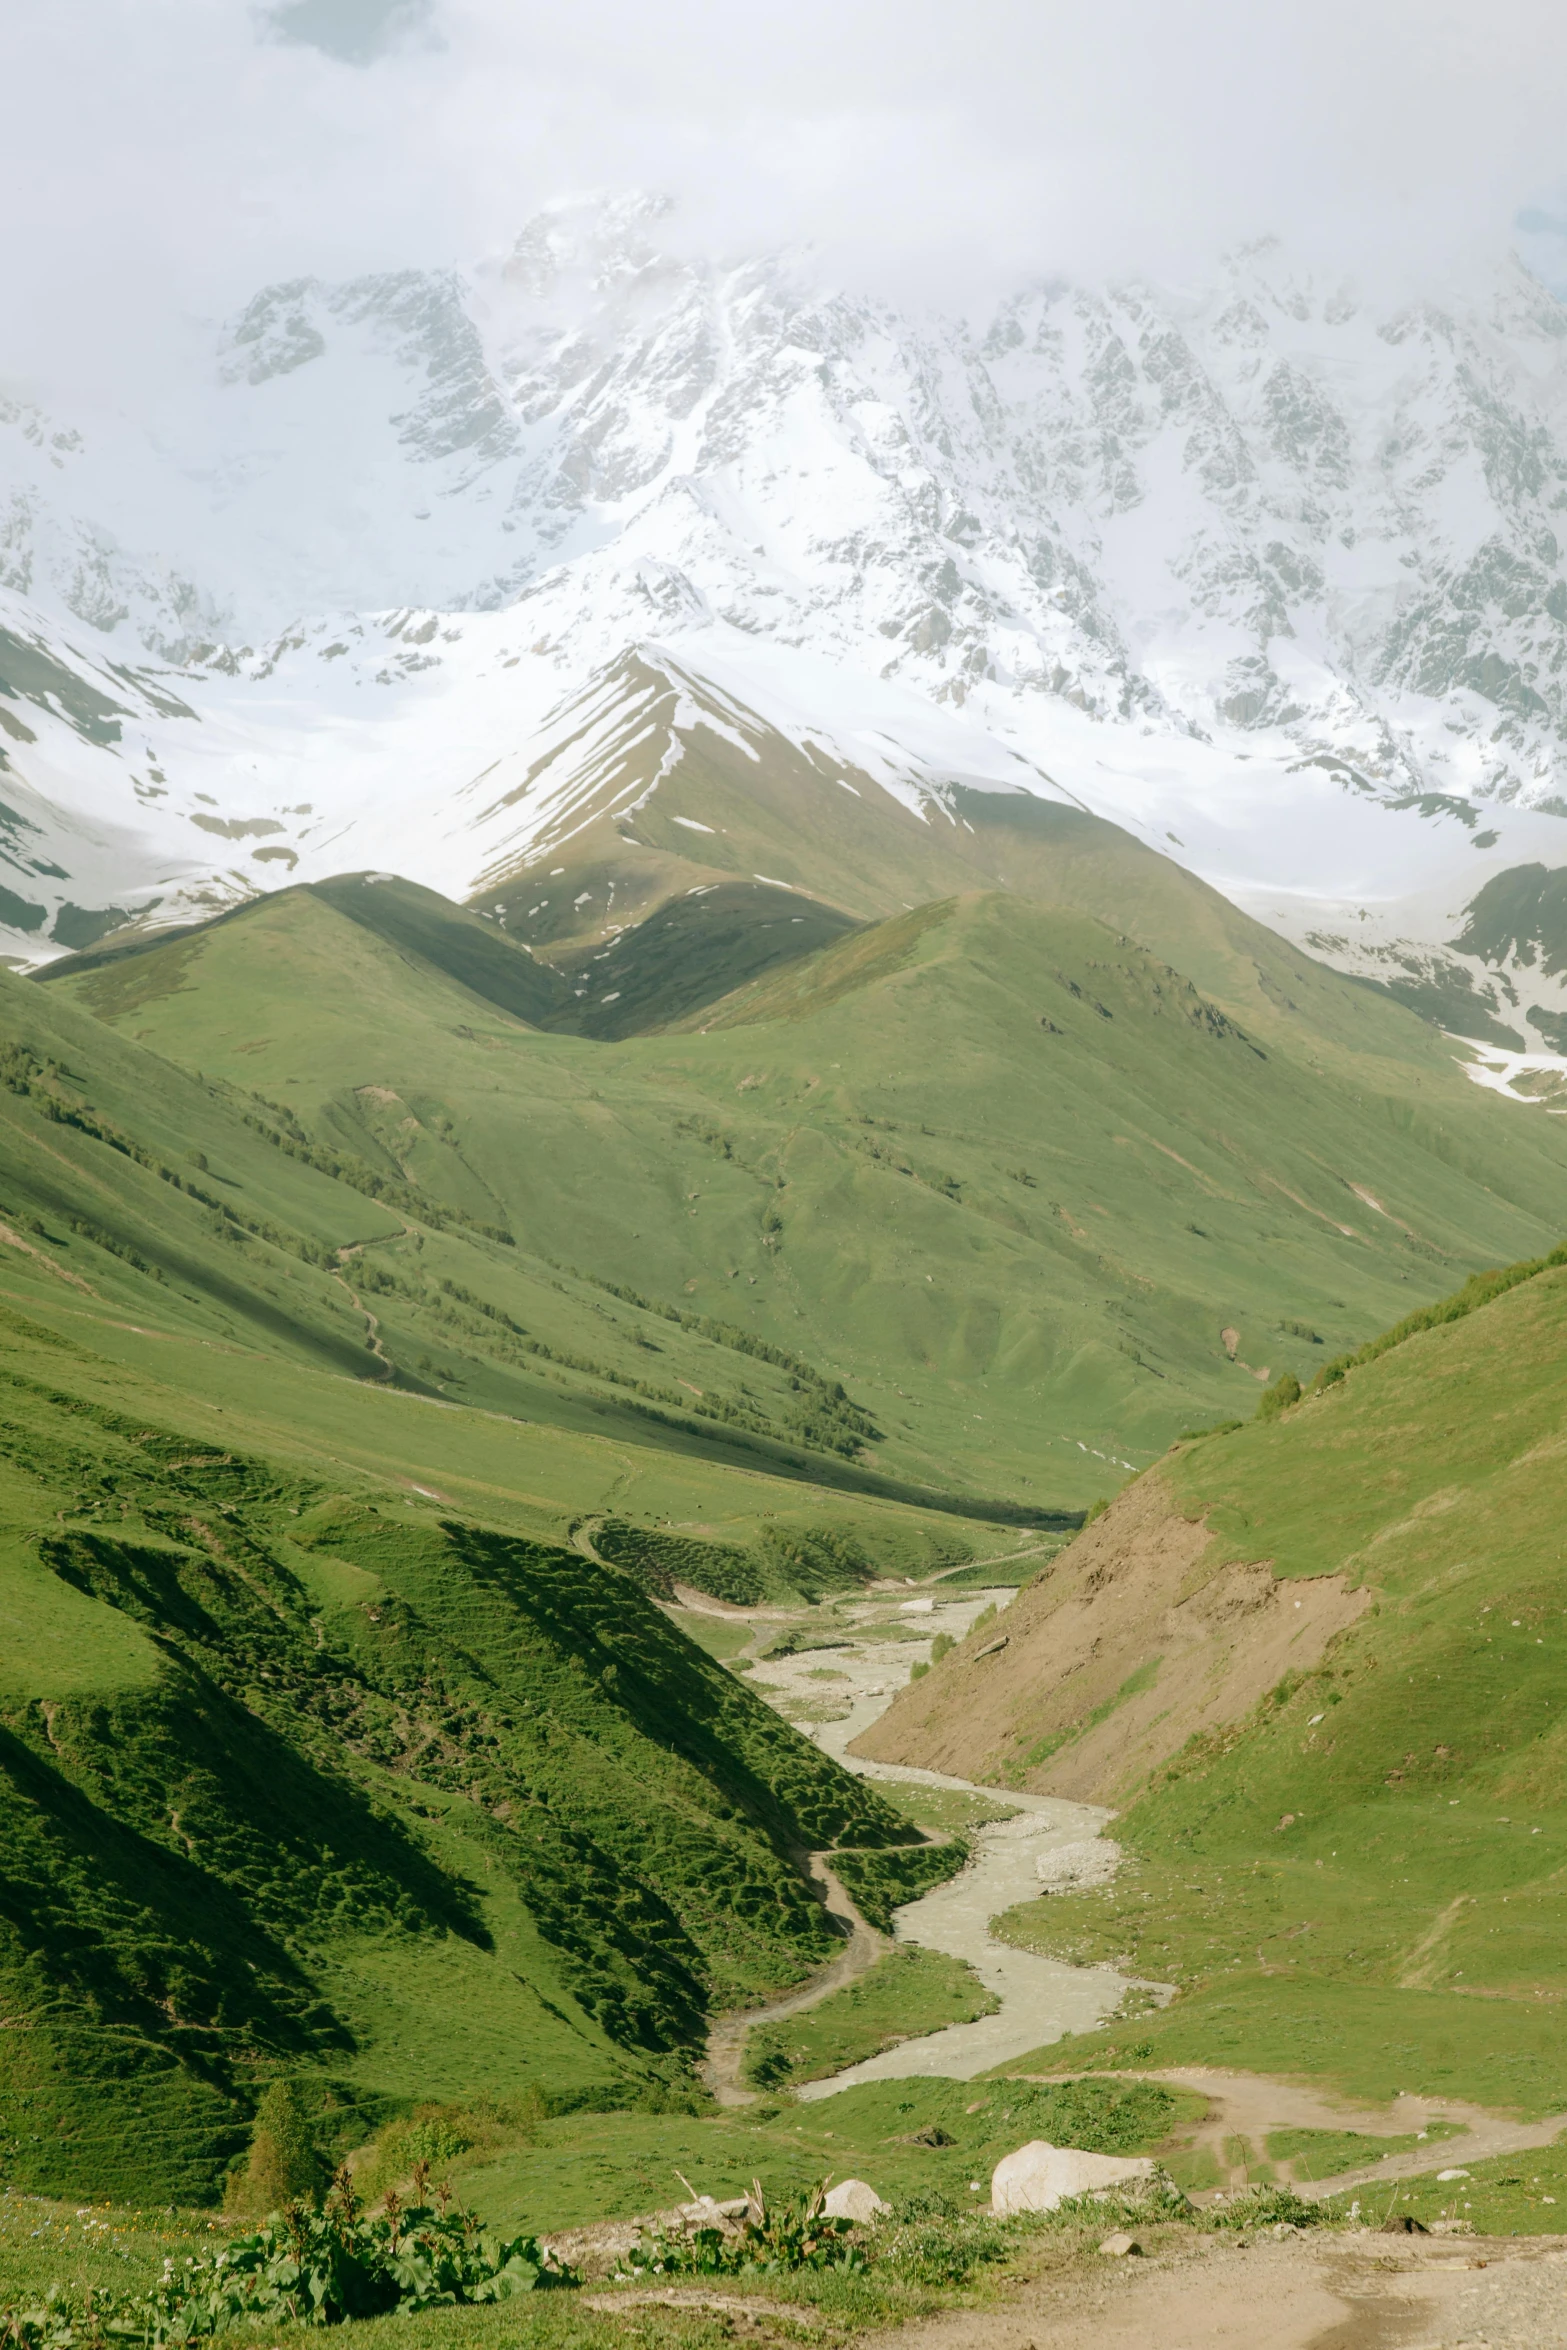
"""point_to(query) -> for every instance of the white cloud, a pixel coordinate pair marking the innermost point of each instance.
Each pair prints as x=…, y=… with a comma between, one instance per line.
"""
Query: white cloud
x=166, y=156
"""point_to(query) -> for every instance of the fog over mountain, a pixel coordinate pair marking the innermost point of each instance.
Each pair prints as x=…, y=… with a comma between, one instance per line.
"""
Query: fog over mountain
x=1248, y=541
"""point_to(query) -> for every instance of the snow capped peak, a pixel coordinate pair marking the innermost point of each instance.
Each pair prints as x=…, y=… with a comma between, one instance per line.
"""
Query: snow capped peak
x=1146, y=545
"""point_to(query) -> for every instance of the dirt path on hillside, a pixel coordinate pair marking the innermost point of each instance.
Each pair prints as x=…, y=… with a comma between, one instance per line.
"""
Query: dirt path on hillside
x=385, y=1367
x=727, y=2034
x=1363, y=2292
x=1248, y=2106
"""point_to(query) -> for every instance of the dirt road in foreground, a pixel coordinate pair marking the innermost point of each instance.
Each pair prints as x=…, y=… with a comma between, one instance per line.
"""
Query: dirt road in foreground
x=1356, y=2293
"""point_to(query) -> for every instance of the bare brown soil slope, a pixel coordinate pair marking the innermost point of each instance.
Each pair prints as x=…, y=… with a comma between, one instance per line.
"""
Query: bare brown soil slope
x=1125, y=1646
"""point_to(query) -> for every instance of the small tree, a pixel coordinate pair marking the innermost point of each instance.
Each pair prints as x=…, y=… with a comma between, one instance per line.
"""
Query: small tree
x=285, y=2164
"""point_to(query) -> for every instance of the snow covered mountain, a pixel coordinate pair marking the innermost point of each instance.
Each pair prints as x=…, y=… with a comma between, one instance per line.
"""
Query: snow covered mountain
x=1265, y=573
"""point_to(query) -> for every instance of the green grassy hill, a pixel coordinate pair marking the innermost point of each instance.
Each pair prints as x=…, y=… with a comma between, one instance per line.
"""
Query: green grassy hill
x=390, y=1326
x=1034, y=1195
x=329, y=1738
x=306, y=1773
x=1364, y=1875
x=167, y=1208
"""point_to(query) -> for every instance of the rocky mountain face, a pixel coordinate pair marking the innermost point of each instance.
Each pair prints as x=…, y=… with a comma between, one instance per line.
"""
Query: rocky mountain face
x=1264, y=571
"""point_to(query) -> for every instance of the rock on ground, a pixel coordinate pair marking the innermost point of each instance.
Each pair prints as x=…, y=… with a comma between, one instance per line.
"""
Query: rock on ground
x=1038, y=2176
x=853, y=2199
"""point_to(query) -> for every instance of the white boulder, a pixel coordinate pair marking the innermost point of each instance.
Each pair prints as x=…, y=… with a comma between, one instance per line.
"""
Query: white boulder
x=852, y=2199
x=1039, y=2176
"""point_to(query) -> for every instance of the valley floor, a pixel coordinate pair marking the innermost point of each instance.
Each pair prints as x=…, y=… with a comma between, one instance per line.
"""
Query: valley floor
x=1361, y=2292
x=833, y=1669
x=1040, y=1999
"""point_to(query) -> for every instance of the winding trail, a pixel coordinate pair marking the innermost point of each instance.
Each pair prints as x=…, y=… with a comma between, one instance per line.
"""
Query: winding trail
x=385, y=1367
x=727, y=2037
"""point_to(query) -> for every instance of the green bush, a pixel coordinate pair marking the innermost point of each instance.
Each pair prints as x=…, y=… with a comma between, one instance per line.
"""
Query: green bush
x=435, y=2135
x=1266, y=2207
x=285, y=2164
x=660, y=1560
x=1279, y=1397
x=931, y=2240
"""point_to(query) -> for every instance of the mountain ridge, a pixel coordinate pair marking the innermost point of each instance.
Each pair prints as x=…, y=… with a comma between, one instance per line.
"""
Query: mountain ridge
x=1259, y=568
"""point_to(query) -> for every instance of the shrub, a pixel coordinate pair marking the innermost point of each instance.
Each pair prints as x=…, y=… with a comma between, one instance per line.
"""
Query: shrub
x=791, y=2234
x=1279, y=1397
x=1265, y=2207
x=931, y=2241
x=285, y=2165
x=882, y=1880
x=436, y=2135
x=306, y=2267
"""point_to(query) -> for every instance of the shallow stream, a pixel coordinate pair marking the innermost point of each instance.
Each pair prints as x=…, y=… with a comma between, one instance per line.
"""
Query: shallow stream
x=1041, y=1999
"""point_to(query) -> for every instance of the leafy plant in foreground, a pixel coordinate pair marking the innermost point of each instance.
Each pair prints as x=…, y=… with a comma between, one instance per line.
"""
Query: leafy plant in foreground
x=307, y=2268
x=792, y=2234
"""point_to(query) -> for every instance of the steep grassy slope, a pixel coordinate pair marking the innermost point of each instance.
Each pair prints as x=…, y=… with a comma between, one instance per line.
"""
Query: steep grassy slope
x=313, y=1774
x=1357, y=1865
x=1034, y=1196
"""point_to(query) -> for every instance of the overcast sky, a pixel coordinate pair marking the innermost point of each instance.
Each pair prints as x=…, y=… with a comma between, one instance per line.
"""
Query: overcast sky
x=161, y=158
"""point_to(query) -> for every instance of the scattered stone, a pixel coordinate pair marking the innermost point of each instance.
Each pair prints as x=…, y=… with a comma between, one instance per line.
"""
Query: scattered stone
x=934, y=2136
x=1444, y=2175
x=853, y=2199
x=1068, y=1868
x=992, y=1647
x=1039, y=2176
x=1117, y=2247
x=1404, y=2223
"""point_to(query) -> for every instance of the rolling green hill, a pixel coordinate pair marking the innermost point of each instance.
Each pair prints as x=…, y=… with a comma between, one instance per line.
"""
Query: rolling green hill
x=1034, y=1193
x=323, y=1745
x=307, y=1773
x=396, y=1313
x=163, y=1208
x=1361, y=1873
